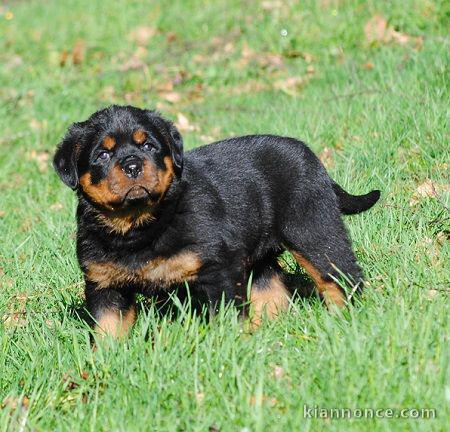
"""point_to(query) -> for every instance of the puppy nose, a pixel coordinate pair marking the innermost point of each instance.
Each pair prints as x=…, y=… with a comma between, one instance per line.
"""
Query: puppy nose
x=132, y=166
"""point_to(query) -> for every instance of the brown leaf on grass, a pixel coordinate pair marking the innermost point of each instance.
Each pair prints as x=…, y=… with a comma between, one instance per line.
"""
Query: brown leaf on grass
x=56, y=207
x=443, y=237
x=270, y=60
x=377, y=30
x=291, y=85
x=133, y=63
x=172, y=97
x=277, y=371
x=326, y=157
x=310, y=70
x=14, y=319
x=263, y=400
x=2, y=213
x=246, y=55
x=41, y=158
x=63, y=56
x=249, y=86
x=368, y=66
x=184, y=125
x=141, y=35
x=13, y=62
x=429, y=250
x=12, y=402
x=171, y=37
x=427, y=189
x=199, y=397
x=266, y=60
x=431, y=294
x=78, y=52
x=271, y=5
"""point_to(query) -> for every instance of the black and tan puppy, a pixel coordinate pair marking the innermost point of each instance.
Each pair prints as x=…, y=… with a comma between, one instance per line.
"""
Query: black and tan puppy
x=150, y=218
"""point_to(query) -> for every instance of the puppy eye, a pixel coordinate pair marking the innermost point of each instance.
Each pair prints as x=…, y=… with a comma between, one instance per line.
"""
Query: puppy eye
x=103, y=156
x=147, y=146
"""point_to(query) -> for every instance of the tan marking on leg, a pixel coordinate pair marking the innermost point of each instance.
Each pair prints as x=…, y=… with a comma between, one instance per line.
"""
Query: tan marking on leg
x=139, y=136
x=115, y=323
x=109, y=143
x=268, y=300
x=330, y=291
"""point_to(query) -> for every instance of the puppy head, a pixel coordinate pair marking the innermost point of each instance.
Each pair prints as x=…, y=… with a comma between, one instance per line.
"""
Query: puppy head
x=121, y=158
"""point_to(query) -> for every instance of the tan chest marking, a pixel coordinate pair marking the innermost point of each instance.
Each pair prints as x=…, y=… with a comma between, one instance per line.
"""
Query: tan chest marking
x=161, y=271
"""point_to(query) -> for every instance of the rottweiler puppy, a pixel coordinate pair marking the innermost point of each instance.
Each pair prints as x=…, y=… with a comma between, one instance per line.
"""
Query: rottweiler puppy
x=151, y=218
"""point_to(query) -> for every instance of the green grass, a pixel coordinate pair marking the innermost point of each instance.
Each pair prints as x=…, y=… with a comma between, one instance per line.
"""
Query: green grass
x=385, y=126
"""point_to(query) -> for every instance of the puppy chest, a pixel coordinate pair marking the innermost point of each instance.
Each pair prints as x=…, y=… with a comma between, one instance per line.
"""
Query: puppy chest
x=161, y=271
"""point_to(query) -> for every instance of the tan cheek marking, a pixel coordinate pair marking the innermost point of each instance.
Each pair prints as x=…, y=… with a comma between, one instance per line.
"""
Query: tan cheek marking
x=162, y=271
x=268, y=300
x=109, y=143
x=115, y=323
x=100, y=192
x=330, y=291
x=139, y=136
x=165, y=177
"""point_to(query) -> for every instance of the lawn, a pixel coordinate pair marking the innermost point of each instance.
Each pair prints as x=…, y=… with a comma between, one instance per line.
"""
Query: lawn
x=364, y=83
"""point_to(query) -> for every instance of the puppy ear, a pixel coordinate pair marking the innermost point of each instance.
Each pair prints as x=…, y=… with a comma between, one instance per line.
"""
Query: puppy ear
x=176, y=148
x=65, y=159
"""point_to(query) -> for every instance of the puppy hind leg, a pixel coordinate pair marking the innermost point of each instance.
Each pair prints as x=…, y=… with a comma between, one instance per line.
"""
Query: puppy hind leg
x=328, y=258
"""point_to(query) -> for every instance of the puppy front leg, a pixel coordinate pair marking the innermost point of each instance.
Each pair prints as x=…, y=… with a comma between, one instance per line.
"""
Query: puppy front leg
x=222, y=286
x=112, y=309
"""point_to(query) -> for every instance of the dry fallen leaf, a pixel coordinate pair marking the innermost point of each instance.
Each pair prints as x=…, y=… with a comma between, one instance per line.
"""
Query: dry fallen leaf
x=56, y=206
x=41, y=158
x=172, y=97
x=377, y=30
x=271, y=5
x=183, y=124
x=264, y=400
x=142, y=35
x=432, y=293
x=199, y=397
x=133, y=63
x=291, y=85
x=249, y=86
x=426, y=189
x=78, y=52
x=278, y=371
x=368, y=65
x=14, y=62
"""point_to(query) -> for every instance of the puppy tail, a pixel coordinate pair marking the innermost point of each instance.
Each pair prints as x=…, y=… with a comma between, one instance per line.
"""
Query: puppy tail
x=353, y=204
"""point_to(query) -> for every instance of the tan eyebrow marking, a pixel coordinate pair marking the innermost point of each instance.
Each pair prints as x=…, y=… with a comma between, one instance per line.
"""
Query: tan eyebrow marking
x=109, y=143
x=139, y=136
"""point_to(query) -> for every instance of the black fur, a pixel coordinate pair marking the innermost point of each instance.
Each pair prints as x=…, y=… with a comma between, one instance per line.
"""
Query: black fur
x=236, y=204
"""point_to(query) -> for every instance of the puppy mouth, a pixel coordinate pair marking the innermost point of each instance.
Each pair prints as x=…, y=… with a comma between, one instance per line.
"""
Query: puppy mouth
x=136, y=196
